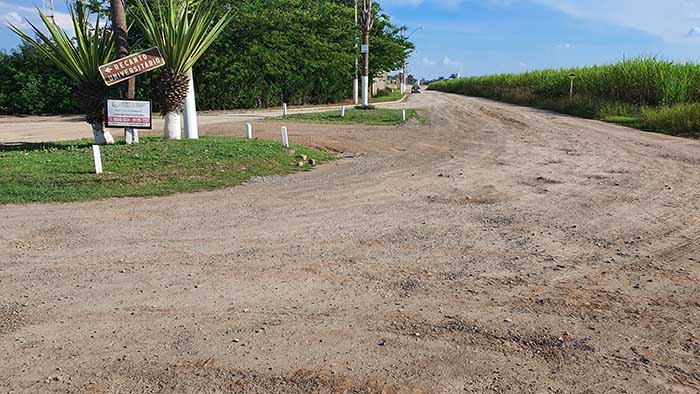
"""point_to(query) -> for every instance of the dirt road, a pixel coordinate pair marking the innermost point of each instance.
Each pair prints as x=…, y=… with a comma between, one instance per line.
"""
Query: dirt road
x=496, y=250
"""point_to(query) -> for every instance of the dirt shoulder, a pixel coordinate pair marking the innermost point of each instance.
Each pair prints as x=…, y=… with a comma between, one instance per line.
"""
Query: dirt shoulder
x=497, y=250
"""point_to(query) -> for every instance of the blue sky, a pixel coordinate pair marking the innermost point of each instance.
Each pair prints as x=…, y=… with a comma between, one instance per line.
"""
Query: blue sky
x=476, y=37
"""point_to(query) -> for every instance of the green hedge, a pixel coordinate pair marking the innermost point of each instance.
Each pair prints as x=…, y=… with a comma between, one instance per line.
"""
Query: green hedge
x=294, y=51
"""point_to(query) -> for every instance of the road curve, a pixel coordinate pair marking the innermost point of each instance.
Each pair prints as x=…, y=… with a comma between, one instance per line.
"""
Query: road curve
x=497, y=249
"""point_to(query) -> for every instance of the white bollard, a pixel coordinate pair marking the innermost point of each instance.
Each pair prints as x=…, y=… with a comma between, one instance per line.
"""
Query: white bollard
x=285, y=137
x=249, y=131
x=97, y=158
x=284, y=109
x=342, y=111
x=403, y=115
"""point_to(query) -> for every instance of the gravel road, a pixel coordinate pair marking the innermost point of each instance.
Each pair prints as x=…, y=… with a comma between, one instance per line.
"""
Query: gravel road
x=497, y=249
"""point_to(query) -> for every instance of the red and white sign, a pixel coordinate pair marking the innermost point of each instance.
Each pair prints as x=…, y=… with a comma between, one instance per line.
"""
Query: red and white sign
x=133, y=114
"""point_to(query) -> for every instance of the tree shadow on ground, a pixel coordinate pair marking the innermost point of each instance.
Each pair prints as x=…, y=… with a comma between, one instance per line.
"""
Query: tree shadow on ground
x=36, y=146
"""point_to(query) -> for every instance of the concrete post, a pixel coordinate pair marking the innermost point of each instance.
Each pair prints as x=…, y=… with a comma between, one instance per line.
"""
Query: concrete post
x=190, y=111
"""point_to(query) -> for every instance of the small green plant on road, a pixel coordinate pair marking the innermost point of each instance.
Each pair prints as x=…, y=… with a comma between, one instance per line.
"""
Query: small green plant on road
x=64, y=171
x=375, y=117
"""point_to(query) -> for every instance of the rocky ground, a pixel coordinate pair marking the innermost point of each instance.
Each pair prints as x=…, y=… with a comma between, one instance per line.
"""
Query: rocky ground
x=497, y=249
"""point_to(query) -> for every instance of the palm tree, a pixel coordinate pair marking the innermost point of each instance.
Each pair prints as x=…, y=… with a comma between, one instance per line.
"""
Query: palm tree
x=183, y=30
x=79, y=59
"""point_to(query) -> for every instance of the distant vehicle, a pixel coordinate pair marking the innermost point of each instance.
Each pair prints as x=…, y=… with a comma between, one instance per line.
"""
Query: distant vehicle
x=415, y=89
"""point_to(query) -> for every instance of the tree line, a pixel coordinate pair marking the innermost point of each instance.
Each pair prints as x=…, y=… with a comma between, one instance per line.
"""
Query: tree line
x=274, y=51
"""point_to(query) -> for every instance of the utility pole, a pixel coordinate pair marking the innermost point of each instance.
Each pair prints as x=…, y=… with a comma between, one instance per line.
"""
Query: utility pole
x=50, y=10
x=121, y=49
x=355, y=82
x=366, y=22
x=402, y=85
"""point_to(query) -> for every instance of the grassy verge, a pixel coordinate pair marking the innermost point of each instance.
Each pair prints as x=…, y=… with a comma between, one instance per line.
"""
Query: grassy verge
x=64, y=171
x=393, y=96
x=375, y=116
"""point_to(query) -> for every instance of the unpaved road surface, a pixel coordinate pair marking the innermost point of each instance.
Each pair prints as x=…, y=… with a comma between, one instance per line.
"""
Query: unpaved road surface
x=496, y=250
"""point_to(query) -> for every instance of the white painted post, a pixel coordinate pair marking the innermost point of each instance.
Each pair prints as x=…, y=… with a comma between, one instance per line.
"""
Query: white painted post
x=342, y=111
x=571, y=90
x=403, y=115
x=249, y=131
x=190, y=111
x=97, y=157
x=135, y=135
x=365, y=91
x=284, y=110
x=356, y=91
x=285, y=137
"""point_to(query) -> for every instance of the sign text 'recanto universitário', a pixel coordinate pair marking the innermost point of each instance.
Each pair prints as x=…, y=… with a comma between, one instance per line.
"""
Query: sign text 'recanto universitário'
x=131, y=66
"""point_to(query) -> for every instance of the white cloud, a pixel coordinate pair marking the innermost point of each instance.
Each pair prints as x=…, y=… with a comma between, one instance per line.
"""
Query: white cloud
x=428, y=61
x=18, y=16
x=694, y=32
x=667, y=19
x=449, y=62
x=13, y=18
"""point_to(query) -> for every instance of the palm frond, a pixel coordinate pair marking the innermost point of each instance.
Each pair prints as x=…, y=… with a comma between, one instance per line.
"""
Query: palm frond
x=80, y=60
x=183, y=30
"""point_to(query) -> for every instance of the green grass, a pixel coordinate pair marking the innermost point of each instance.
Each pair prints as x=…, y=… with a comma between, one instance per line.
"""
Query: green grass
x=648, y=93
x=375, y=116
x=393, y=96
x=629, y=121
x=64, y=171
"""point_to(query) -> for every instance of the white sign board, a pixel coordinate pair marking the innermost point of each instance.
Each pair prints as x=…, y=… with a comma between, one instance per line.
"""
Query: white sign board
x=364, y=49
x=133, y=114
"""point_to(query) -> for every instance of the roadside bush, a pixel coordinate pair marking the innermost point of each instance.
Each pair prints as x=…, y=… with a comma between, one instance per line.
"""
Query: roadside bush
x=682, y=119
x=384, y=92
x=293, y=51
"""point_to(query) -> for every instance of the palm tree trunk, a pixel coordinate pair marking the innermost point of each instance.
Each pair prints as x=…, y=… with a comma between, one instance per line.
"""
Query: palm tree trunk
x=173, y=91
x=121, y=49
x=173, y=127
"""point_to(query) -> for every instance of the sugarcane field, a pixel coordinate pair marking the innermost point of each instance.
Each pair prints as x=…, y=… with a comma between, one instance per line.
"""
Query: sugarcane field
x=349, y=197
